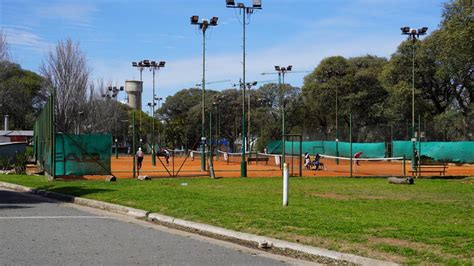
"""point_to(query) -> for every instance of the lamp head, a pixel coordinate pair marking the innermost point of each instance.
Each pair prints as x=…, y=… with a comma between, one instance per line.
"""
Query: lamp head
x=162, y=64
x=277, y=68
x=194, y=19
x=134, y=64
x=405, y=30
x=230, y=3
x=289, y=68
x=257, y=4
x=214, y=21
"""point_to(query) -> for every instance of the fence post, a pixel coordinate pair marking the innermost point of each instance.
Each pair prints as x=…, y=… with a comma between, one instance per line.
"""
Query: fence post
x=350, y=140
x=285, y=184
x=53, y=137
x=404, y=166
x=133, y=145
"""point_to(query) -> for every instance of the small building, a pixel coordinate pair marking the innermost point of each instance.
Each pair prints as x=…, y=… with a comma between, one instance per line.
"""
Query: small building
x=7, y=136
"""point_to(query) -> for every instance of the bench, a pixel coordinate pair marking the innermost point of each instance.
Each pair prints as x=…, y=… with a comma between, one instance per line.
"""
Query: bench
x=257, y=159
x=429, y=168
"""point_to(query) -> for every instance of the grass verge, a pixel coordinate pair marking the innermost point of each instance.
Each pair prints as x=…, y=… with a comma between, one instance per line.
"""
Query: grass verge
x=429, y=222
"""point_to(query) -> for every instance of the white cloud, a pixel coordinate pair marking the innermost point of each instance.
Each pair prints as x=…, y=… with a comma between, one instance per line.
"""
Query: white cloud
x=26, y=39
x=76, y=14
x=303, y=54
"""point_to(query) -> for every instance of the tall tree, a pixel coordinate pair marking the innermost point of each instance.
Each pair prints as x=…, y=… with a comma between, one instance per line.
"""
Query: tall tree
x=457, y=57
x=4, y=55
x=443, y=74
x=66, y=71
x=20, y=95
x=353, y=83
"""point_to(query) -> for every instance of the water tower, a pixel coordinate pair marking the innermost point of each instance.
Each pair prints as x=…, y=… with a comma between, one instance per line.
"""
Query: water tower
x=134, y=89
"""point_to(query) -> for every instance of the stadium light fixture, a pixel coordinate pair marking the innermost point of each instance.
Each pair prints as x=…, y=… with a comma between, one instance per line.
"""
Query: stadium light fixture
x=281, y=71
x=213, y=21
x=257, y=4
x=249, y=85
x=140, y=67
x=153, y=66
x=245, y=11
x=413, y=35
x=203, y=26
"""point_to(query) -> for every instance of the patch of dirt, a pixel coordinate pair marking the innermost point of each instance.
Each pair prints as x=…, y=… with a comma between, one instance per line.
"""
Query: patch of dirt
x=433, y=249
x=360, y=249
x=331, y=196
x=254, y=245
x=343, y=197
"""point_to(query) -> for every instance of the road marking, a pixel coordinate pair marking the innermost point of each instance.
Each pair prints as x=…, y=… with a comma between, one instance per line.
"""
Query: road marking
x=53, y=217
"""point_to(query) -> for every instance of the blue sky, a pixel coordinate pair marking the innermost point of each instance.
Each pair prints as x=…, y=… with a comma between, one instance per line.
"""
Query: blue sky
x=113, y=33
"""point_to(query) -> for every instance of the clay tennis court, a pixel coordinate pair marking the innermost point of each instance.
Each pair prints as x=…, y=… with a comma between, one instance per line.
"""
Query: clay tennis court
x=182, y=166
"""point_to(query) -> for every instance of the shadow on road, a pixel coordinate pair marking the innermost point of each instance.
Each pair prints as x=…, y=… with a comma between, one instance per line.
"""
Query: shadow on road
x=75, y=191
x=13, y=197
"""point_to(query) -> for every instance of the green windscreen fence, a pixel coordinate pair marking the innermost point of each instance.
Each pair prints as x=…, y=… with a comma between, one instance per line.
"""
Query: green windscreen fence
x=43, y=137
x=460, y=151
x=74, y=154
x=369, y=150
x=83, y=154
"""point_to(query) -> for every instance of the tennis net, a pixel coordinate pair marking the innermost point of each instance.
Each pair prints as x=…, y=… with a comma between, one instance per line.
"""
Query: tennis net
x=394, y=166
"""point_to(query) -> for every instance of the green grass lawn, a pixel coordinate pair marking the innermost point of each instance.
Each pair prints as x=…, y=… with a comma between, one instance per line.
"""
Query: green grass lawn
x=431, y=221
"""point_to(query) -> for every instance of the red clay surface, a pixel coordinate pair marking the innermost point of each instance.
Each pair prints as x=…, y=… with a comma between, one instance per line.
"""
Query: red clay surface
x=182, y=167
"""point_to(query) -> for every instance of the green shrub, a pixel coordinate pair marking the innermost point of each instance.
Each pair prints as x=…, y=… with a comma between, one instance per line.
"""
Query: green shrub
x=20, y=162
x=5, y=163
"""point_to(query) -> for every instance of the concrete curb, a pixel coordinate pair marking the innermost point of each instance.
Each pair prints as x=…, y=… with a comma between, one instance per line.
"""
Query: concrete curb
x=80, y=201
x=270, y=241
x=199, y=226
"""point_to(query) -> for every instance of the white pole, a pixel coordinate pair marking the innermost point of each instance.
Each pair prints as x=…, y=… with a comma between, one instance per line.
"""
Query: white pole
x=285, y=184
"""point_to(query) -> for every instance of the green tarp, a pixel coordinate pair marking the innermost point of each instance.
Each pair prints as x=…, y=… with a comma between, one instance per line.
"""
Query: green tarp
x=83, y=154
x=459, y=151
x=370, y=150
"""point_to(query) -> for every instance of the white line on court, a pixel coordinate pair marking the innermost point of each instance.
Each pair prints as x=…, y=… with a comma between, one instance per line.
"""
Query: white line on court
x=53, y=217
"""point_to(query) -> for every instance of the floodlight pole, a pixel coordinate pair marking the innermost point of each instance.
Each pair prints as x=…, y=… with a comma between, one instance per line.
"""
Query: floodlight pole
x=243, y=163
x=153, y=159
x=245, y=10
x=281, y=71
x=337, y=125
x=203, y=26
x=153, y=66
x=159, y=132
x=282, y=103
x=249, y=86
x=413, y=34
x=203, y=105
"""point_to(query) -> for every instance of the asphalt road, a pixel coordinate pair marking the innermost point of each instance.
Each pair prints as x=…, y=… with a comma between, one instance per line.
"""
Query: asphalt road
x=35, y=230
